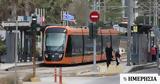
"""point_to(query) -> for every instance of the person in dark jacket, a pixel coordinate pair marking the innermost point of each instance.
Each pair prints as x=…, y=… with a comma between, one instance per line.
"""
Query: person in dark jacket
x=108, y=51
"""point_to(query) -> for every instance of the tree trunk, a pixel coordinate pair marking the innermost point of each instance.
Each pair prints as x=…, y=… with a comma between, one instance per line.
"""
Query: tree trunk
x=27, y=9
x=13, y=10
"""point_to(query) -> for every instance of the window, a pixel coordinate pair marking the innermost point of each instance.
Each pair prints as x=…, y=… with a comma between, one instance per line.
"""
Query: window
x=69, y=46
x=74, y=45
x=106, y=39
x=98, y=44
x=55, y=41
x=77, y=45
x=88, y=48
x=115, y=41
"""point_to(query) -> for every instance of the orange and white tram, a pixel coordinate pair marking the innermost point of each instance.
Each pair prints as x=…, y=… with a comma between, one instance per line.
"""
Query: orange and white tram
x=67, y=45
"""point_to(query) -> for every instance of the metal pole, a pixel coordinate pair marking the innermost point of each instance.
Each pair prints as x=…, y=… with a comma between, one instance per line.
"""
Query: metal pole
x=144, y=19
x=67, y=22
x=55, y=74
x=94, y=54
x=158, y=47
x=104, y=19
x=149, y=34
x=94, y=45
x=150, y=12
x=130, y=11
x=156, y=26
x=16, y=52
x=60, y=75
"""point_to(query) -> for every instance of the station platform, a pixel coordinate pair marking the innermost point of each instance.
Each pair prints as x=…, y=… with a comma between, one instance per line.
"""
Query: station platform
x=102, y=70
x=88, y=71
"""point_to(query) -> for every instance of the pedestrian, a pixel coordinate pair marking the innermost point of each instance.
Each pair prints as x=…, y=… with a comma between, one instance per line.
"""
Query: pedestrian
x=108, y=51
x=117, y=56
x=153, y=53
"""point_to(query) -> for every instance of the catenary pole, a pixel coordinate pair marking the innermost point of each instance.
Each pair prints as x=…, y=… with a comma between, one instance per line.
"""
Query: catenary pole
x=130, y=13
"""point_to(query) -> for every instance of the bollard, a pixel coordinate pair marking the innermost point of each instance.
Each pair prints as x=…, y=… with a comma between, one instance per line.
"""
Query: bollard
x=60, y=75
x=55, y=74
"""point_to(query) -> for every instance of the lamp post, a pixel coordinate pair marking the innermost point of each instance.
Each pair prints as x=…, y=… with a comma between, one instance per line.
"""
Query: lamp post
x=33, y=28
x=130, y=13
x=16, y=58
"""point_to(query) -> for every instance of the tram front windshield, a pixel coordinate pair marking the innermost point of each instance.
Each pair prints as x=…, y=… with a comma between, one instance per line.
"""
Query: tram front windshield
x=55, y=39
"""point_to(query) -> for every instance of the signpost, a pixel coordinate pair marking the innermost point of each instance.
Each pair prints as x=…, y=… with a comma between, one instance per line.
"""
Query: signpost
x=94, y=17
x=14, y=24
x=16, y=56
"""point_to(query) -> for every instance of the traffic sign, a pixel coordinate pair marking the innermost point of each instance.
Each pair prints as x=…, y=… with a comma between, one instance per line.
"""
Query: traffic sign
x=94, y=16
x=135, y=28
x=13, y=23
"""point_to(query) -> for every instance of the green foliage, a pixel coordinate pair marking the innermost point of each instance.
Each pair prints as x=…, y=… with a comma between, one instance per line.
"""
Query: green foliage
x=100, y=24
x=2, y=46
x=80, y=9
x=114, y=10
x=4, y=10
x=53, y=8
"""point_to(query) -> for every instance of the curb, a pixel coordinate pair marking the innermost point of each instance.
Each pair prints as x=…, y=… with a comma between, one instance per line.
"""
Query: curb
x=98, y=75
x=101, y=72
x=20, y=66
x=142, y=66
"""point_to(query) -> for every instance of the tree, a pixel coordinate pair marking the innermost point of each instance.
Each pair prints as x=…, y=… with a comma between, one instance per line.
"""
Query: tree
x=146, y=10
x=4, y=10
x=26, y=7
x=2, y=46
x=80, y=9
x=114, y=10
x=53, y=8
x=12, y=8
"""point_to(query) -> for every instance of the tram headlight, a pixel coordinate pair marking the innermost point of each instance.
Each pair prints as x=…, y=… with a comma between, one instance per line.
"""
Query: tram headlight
x=52, y=56
x=46, y=55
x=60, y=55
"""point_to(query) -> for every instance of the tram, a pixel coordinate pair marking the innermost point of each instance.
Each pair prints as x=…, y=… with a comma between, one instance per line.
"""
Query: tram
x=68, y=45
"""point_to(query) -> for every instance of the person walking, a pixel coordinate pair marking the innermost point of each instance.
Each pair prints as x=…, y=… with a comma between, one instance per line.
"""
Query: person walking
x=153, y=53
x=117, y=56
x=108, y=51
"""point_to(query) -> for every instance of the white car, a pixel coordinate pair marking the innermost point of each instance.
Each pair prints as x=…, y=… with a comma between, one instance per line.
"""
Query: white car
x=120, y=29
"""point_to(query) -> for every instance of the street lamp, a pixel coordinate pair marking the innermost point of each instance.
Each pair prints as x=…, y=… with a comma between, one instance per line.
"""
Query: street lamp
x=34, y=28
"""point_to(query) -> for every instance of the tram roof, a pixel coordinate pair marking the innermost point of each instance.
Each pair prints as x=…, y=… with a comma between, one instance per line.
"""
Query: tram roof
x=85, y=30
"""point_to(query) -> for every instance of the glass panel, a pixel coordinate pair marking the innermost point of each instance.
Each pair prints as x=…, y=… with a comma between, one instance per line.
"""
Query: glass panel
x=88, y=48
x=55, y=41
x=77, y=45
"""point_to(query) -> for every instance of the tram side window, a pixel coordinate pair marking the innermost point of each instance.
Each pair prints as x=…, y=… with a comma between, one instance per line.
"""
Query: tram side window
x=115, y=41
x=69, y=47
x=77, y=45
x=106, y=39
x=102, y=44
x=88, y=48
x=98, y=44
